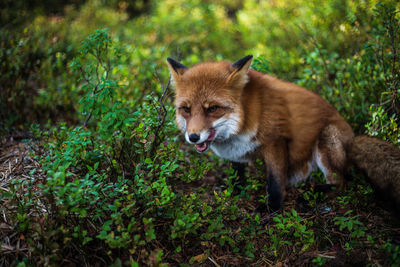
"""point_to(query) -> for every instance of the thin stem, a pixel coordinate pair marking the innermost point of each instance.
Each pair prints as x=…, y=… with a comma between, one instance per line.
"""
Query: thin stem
x=162, y=114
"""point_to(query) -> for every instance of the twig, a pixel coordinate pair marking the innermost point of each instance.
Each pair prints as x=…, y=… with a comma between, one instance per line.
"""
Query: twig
x=87, y=119
x=96, y=88
x=162, y=114
x=213, y=261
x=326, y=256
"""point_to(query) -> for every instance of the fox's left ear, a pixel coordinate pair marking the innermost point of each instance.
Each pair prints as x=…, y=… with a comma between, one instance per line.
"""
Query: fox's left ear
x=240, y=70
x=175, y=68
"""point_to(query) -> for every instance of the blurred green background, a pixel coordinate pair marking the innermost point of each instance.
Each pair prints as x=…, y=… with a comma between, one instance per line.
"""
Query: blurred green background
x=328, y=46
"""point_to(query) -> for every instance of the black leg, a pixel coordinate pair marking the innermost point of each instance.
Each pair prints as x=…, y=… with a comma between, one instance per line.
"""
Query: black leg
x=275, y=199
x=274, y=191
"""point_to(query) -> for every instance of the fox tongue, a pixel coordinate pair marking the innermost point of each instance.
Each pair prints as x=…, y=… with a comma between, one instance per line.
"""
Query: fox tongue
x=201, y=147
x=211, y=135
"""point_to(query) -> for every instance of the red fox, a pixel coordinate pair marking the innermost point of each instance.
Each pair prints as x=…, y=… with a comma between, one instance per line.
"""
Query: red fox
x=242, y=114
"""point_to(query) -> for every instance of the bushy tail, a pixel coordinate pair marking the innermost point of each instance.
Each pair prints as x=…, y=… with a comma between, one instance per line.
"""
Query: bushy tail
x=380, y=161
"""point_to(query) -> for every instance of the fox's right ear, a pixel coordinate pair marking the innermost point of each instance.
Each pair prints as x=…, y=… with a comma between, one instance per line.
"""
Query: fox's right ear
x=175, y=68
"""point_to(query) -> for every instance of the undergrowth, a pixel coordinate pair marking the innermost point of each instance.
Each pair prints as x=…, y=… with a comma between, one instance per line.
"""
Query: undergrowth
x=116, y=186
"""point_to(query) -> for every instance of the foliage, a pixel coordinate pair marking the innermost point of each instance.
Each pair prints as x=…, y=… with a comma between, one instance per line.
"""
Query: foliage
x=357, y=84
x=290, y=224
x=393, y=252
x=115, y=185
x=355, y=227
x=113, y=182
x=350, y=74
x=383, y=126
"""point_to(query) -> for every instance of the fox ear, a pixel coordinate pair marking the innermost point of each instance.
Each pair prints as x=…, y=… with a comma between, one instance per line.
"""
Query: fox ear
x=243, y=63
x=240, y=70
x=175, y=68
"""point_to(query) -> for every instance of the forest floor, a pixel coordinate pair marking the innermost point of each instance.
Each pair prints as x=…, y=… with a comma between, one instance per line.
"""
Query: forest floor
x=331, y=246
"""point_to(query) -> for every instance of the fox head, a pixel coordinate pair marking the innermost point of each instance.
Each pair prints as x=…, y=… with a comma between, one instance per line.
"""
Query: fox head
x=208, y=99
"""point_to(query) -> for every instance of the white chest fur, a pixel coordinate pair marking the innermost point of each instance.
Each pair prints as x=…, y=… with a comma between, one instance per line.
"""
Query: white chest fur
x=236, y=147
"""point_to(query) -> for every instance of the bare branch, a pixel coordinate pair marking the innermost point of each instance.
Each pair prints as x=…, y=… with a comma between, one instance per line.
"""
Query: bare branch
x=162, y=114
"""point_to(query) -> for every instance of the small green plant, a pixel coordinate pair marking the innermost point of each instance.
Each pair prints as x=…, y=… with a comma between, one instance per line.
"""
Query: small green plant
x=383, y=126
x=290, y=229
x=344, y=200
x=261, y=64
x=355, y=227
x=393, y=252
x=320, y=261
x=314, y=198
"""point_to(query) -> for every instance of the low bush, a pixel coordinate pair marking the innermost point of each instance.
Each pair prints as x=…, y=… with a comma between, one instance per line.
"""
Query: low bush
x=363, y=87
x=114, y=183
x=110, y=185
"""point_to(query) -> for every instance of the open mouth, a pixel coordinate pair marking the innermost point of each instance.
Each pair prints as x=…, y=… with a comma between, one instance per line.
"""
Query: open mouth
x=204, y=146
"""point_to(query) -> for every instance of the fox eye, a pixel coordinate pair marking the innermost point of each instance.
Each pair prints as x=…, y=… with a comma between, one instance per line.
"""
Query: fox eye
x=212, y=109
x=185, y=109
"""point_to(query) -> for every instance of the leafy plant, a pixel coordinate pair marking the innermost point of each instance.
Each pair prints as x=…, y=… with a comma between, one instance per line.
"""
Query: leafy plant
x=320, y=261
x=355, y=227
x=110, y=179
x=394, y=253
x=290, y=229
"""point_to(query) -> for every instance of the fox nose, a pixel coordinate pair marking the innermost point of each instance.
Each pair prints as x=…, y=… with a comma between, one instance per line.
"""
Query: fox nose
x=194, y=138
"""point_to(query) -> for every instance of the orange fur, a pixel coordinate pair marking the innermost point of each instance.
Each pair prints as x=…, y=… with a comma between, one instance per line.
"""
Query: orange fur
x=295, y=129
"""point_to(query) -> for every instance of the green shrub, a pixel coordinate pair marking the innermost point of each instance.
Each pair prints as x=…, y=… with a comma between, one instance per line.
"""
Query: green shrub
x=109, y=185
x=290, y=230
x=115, y=184
x=393, y=252
x=368, y=77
